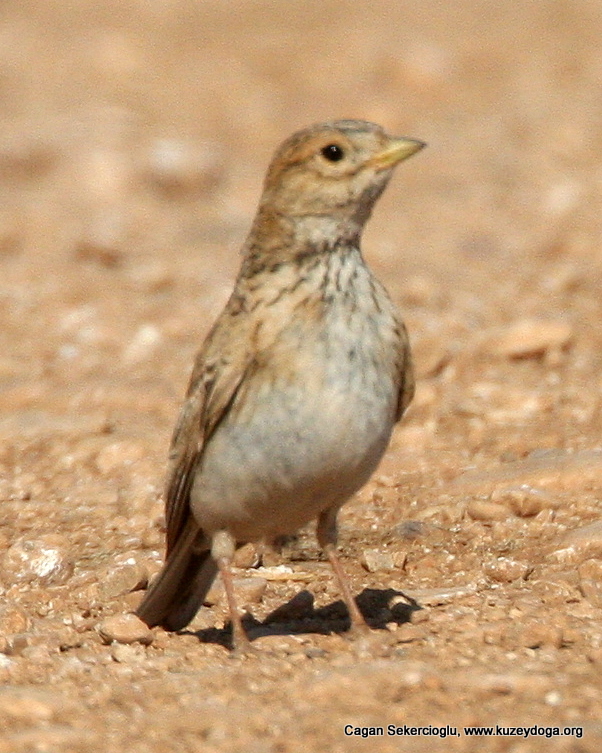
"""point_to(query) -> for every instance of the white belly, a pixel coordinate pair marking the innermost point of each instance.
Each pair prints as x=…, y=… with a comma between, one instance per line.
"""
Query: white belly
x=308, y=427
x=285, y=467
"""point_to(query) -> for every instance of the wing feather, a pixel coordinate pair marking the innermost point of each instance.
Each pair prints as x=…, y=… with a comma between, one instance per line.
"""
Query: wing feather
x=407, y=384
x=215, y=381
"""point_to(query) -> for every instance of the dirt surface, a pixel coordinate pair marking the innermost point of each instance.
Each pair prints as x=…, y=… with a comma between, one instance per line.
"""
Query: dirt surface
x=133, y=140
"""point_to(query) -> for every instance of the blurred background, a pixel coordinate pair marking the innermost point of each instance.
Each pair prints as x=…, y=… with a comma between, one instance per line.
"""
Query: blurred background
x=134, y=136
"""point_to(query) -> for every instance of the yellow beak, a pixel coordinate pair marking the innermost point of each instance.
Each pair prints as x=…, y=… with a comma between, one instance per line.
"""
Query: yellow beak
x=396, y=151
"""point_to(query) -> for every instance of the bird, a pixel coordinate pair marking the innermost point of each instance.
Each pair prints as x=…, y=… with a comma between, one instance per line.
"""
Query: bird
x=299, y=383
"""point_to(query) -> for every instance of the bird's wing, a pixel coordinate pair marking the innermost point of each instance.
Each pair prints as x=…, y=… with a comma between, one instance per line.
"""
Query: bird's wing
x=407, y=384
x=215, y=381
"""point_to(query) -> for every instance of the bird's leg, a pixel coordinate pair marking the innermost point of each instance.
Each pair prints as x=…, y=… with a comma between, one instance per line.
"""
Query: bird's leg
x=223, y=547
x=327, y=538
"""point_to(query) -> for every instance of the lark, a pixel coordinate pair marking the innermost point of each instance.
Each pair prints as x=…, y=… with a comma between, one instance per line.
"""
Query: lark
x=298, y=385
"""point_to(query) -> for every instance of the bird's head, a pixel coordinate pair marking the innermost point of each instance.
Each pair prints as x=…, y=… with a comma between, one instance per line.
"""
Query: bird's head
x=335, y=170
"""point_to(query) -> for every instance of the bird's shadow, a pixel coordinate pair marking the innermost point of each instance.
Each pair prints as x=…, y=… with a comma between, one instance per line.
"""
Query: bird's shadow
x=298, y=616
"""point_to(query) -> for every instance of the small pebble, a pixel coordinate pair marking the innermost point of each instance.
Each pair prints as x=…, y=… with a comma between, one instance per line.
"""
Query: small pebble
x=430, y=356
x=28, y=705
x=117, y=455
x=125, y=628
x=299, y=606
x=529, y=338
x=284, y=573
x=408, y=633
x=508, y=683
x=436, y=596
x=419, y=616
x=314, y=652
x=538, y=634
x=375, y=561
x=19, y=642
x=410, y=529
x=124, y=577
x=525, y=501
x=246, y=556
x=51, y=738
x=45, y=560
x=480, y=509
x=250, y=590
x=560, y=470
x=591, y=570
x=176, y=166
x=37, y=655
x=102, y=239
x=285, y=644
x=594, y=655
x=143, y=344
x=592, y=591
x=419, y=290
x=127, y=654
x=557, y=593
x=387, y=481
x=493, y=634
x=553, y=698
x=581, y=543
x=151, y=276
x=505, y=570
x=425, y=396
x=26, y=154
x=13, y=620
x=400, y=559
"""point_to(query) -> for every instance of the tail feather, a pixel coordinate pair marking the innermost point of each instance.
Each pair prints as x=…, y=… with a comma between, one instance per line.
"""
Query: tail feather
x=180, y=589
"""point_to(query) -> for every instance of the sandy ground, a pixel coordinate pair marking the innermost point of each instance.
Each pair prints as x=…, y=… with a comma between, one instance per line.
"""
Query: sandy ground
x=133, y=140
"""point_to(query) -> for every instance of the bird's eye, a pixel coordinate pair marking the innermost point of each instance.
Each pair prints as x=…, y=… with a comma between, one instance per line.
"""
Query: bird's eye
x=333, y=153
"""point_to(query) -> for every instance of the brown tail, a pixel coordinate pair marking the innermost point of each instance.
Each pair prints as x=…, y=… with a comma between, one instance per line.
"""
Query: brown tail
x=177, y=594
